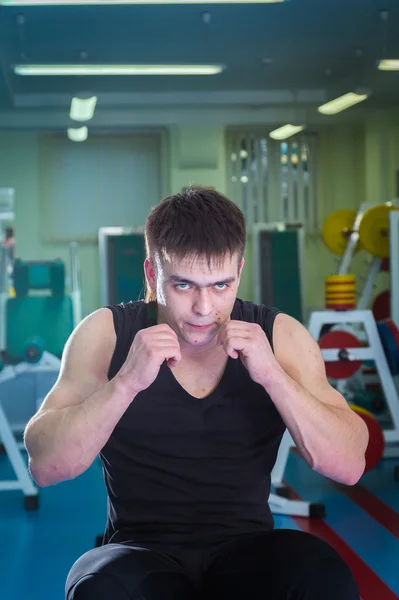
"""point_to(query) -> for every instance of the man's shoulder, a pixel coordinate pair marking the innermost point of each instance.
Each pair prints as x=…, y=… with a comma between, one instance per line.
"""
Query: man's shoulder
x=246, y=310
x=136, y=314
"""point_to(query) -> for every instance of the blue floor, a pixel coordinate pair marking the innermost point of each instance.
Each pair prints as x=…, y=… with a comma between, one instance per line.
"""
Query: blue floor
x=38, y=548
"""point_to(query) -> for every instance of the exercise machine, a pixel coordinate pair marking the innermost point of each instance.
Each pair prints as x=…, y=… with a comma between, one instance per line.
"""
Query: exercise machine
x=278, y=258
x=35, y=323
x=122, y=255
x=345, y=234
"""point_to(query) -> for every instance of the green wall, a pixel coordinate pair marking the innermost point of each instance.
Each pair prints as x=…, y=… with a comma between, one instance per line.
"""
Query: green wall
x=356, y=163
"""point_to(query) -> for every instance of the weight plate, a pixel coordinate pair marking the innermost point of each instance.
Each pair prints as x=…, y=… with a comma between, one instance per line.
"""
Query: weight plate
x=395, y=334
x=390, y=346
x=336, y=230
x=376, y=445
x=340, y=340
x=382, y=306
x=385, y=265
x=349, y=278
x=374, y=230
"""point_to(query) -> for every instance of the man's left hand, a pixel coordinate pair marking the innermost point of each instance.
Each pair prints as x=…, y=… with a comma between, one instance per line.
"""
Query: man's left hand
x=249, y=342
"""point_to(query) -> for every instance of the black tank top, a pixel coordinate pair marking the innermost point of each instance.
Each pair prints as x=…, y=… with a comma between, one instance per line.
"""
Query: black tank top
x=178, y=468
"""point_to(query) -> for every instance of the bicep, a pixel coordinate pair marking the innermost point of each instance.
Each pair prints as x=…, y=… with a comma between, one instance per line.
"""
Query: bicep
x=299, y=355
x=85, y=362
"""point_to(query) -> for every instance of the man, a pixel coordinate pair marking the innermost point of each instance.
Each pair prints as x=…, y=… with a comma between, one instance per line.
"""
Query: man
x=186, y=397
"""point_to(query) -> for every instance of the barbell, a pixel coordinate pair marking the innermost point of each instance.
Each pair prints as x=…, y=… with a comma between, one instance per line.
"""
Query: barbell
x=373, y=230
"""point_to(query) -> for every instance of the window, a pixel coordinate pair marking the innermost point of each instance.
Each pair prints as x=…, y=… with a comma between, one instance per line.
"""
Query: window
x=273, y=181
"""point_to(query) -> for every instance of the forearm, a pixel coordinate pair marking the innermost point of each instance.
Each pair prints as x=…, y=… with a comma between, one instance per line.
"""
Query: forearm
x=63, y=443
x=331, y=439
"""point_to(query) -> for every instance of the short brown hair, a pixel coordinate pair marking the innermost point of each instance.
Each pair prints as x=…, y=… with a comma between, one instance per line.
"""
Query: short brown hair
x=197, y=222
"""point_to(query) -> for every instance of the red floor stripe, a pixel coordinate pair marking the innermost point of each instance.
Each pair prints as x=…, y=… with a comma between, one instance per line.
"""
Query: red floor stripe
x=371, y=587
x=376, y=508
x=371, y=504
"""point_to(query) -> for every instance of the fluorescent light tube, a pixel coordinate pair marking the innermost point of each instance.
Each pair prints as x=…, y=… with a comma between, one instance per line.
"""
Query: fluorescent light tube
x=389, y=64
x=117, y=69
x=82, y=109
x=77, y=135
x=286, y=131
x=341, y=103
x=104, y=2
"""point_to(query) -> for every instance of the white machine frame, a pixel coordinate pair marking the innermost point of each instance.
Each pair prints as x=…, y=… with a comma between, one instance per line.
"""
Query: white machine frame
x=13, y=448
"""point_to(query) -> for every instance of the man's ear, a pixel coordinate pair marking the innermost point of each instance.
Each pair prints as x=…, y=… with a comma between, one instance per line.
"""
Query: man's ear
x=150, y=275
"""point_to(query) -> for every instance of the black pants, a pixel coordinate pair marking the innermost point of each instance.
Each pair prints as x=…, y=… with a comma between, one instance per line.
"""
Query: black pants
x=279, y=565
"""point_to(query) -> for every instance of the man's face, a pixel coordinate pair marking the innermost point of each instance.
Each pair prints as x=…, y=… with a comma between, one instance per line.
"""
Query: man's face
x=193, y=299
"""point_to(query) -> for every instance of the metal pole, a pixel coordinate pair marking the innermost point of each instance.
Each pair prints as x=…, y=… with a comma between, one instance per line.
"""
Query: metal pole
x=367, y=292
x=76, y=294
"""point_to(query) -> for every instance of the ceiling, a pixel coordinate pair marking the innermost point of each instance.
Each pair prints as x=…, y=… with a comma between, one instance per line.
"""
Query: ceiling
x=312, y=46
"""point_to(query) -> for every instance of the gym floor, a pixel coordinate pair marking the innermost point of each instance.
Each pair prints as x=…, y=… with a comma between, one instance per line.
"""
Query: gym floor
x=38, y=548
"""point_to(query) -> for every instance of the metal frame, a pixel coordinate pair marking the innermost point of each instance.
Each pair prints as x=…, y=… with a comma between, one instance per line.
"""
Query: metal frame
x=373, y=352
x=75, y=293
x=353, y=239
x=277, y=226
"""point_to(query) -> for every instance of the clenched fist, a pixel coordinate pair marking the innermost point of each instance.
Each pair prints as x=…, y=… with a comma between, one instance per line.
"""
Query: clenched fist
x=150, y=348
x=249, y=342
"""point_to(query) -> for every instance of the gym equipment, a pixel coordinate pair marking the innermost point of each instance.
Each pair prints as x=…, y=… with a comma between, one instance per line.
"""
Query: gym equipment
x=122, y=255
x=34, y=275
x=7, y=214
x=279, y=501
x=47, y=366
x=374, y=351
x=376, y=445
x=368, y=230
x=345, y=231
x=278, y=252
x=337, y=229
x=345, y=366
x=382, y=306
x=389, y=335
x=33, y=350
x=394, y=272
x=33, y=331
x=385, y=265
x=340, y=292
x=374, y=230
x=342, y=235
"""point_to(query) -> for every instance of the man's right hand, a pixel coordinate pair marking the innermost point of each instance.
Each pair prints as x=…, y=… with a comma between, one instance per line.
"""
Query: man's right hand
x=150, y=348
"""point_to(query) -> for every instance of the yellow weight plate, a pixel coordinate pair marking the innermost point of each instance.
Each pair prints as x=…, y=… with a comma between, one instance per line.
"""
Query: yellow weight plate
x=343, y=300
x=343, y=287
x=340, y=278
x=361, y=410
x=374, y=230
x=336, y=230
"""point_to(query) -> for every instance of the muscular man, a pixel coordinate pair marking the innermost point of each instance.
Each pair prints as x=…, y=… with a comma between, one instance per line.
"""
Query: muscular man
x=185, y=396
